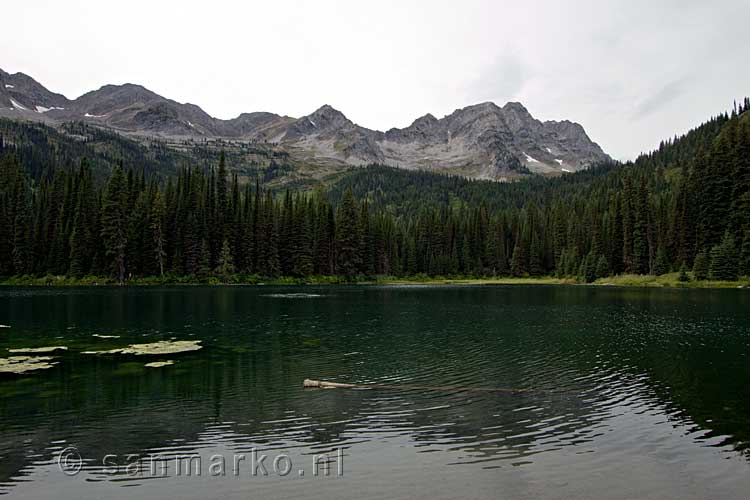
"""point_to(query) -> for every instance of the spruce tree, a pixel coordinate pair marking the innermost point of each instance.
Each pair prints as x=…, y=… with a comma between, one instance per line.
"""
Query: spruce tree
x=701, y=266
x=517, y=260
x=115, y=222
x=348, y=239
x=22, y=230
x=158, y=212
x=661, y=265
x=602, y=267
x=204, y=260
x=683, y=276
x=222, y=198
x=724, y=260
x=226, y=262
x=78, y=242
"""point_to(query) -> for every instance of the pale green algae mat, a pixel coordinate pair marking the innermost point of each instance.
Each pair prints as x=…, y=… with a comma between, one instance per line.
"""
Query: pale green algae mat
x=24, y=364
x=154, y=348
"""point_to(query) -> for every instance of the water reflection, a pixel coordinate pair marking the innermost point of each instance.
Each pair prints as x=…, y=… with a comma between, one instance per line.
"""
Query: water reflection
x=615, y=372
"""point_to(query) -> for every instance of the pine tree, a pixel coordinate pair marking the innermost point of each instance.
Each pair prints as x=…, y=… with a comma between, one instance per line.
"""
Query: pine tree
x=517, y=264
x=724, y=260
x=204, y=260
x=602, y=267
x=348, y=252
x=114, y=222
x=222, y=198
x=588, y=269
x=640, y=261
x=226, y=263
x=683, y=276
x=158, y=212
x=78, y=241
x=661, y=265
x=616, y=241
x=536, y=266
x=22, y=229
x=701, y=266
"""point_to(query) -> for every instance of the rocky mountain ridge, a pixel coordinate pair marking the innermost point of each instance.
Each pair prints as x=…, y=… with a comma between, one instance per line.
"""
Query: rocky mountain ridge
x=480, y=141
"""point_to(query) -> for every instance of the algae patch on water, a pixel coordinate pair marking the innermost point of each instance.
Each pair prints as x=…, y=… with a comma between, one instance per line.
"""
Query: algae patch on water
x=155, y=348
x=158, y=364
x=23, y=364
x=39, y=350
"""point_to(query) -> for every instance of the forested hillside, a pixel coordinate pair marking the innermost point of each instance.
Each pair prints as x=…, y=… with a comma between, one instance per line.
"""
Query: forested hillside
x=683, y=207
x=43, y=150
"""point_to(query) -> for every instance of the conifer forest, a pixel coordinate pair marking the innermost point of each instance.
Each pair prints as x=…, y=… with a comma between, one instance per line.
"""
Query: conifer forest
x=684, y=207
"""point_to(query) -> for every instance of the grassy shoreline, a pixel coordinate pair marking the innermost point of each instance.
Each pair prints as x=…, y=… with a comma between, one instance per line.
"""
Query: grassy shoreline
x=664, y=281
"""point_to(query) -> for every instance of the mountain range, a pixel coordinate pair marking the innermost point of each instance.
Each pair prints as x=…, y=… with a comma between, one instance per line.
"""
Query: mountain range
x=483, y=141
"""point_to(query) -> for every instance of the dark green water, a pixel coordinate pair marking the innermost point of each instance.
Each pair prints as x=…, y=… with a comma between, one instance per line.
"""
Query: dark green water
x=611, y=393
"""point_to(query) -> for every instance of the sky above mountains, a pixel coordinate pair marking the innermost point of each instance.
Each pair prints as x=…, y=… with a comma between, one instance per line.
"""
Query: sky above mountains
x=631, y=72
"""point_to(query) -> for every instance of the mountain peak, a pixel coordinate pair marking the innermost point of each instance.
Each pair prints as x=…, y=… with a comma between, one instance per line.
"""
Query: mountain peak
x=326, y=117
x=328, y=111
x=427, y=119
x=515, y=106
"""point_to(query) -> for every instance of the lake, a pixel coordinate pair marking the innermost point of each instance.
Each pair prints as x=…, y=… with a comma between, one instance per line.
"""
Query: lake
x=485, y=392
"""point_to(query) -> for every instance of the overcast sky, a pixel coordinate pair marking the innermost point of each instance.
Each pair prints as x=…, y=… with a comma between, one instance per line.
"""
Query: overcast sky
x=631, y=72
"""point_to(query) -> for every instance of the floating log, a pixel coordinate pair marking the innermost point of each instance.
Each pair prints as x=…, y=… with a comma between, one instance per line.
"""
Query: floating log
x=322, y=384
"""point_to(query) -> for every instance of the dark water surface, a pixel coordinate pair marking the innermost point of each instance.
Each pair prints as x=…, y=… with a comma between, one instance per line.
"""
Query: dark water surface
x=596, y=393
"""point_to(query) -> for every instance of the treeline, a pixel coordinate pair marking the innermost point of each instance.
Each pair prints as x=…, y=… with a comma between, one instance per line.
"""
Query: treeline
x=683, y=207
x=200, y=225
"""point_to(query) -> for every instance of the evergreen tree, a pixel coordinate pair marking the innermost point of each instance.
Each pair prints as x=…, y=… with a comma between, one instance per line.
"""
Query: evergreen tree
x=22, y=229
x=204, y=260
x=349, y=258
x=226, y=263
x=661, y=265
x=221, y=196
x=158, y=213
x=683, y=276
x=115, y=222
x=701, y=266
x=78, y=242
x=517, y=262
x=602, y=267
x=724, y=260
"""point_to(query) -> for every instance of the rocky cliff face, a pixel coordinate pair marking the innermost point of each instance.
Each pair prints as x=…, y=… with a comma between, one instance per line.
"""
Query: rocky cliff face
x=480, y=141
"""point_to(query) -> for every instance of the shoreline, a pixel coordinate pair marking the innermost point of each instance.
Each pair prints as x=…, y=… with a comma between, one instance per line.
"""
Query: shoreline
x=636, y=281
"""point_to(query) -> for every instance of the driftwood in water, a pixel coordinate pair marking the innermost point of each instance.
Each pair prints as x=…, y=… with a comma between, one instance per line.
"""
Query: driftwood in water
x=329, y=385
x=322, y=384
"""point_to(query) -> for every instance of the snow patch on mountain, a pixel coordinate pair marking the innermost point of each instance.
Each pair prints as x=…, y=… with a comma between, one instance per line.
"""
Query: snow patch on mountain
x=530, y=159
x=42, y=109
x=18, y=105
